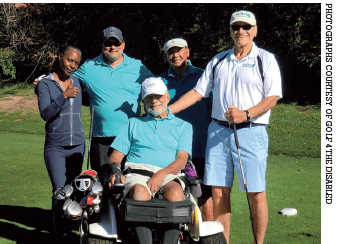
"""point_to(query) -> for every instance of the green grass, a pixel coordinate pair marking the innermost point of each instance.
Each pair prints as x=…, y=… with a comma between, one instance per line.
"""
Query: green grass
x=295, y=131
x=293, y=178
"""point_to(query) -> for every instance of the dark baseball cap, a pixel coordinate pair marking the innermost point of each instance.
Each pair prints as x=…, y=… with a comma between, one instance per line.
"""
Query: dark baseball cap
x=112, y=32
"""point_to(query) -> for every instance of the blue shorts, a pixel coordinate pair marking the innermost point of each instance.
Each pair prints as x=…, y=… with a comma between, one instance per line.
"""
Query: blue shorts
x=222, y=157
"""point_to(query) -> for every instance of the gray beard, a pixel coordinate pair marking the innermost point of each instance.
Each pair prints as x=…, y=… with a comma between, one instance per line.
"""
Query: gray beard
x=155, y=114
x=110, y=58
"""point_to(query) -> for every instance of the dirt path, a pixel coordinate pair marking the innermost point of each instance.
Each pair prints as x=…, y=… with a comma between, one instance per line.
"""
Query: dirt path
x=13, y=103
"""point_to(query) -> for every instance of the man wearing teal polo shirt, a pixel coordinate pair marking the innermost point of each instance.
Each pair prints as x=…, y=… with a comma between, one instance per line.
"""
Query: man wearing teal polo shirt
x=159, y=143
x=113, y=83
x=180, y=78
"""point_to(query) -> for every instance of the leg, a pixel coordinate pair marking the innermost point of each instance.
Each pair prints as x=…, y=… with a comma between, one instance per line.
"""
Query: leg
x=254, y=158
x=222, y=207
x=259, y=208
x=173, y=192
x=55, y=160
x=74, y=162
x=99, y=151
x=206, y=207
x=205, y=202
x=139, y=192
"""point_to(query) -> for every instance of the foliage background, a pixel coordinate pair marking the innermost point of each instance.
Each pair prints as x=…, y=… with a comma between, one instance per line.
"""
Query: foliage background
x=31, y=35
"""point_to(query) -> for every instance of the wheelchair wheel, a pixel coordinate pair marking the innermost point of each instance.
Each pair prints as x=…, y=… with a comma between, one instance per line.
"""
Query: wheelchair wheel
x=216, y=238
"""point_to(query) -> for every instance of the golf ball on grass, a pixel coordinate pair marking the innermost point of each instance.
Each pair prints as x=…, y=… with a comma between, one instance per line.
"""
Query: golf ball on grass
x=288, y=211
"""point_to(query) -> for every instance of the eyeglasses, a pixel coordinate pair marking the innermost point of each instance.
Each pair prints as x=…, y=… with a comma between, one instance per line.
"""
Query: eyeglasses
x=237, y=27
x=174, y=37
x=112, y=43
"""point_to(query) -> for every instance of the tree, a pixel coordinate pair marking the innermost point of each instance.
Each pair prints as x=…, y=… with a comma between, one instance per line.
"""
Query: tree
x=32, y=33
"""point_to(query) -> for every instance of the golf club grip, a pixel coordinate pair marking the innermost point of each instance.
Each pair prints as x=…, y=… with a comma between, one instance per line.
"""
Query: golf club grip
x=236, y=137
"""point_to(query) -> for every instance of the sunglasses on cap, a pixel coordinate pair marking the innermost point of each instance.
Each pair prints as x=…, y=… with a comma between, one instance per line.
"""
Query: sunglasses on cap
x=116, y=43
x=174, y=37
x=237, y=27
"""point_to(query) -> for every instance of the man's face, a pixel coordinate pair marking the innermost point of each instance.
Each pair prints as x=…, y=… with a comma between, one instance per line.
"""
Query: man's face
x=113, y=49
x=70, y=61
x=156, y=104
x=243, y=37
x=177, y=56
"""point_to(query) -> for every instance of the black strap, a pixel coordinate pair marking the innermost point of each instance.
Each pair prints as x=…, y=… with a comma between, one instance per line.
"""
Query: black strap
x=260, y=66
x=220, y=60
x=259, y=60
x=138, y=171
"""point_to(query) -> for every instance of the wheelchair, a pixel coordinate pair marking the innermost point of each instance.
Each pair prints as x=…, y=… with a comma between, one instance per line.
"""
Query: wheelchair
x=109, y=216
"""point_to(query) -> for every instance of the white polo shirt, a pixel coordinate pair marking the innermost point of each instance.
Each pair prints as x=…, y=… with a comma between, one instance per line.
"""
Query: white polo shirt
x=239, y=83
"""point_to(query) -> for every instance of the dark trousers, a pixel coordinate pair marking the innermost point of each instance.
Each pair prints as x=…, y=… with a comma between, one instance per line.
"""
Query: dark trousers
x=63, y=164
x=100, y=152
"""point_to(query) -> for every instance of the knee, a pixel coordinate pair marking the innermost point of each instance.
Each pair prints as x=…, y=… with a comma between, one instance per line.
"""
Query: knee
x=257, y=198
x=220, y=193
x=139, y=192
x=173, y=193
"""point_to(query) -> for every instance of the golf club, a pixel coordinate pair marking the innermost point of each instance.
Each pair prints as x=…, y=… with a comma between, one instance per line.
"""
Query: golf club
x=97, y=188
x=90, y=134
x=74, y=210
x=244, y=182
x=65, y=205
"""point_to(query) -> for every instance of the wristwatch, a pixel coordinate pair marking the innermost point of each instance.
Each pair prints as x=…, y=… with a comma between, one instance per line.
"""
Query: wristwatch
x=247, y=115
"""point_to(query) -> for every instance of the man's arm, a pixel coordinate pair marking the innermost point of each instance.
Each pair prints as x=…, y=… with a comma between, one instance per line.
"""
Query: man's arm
x=174, y=168
x=115, y=162
x=188, y=99
x=236, y=116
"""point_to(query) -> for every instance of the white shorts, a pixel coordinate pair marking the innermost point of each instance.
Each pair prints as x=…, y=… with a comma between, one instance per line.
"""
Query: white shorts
x=132, y=178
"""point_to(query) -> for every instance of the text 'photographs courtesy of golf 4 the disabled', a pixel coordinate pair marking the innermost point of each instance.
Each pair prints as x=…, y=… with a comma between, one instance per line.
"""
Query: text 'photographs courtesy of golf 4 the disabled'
x=328, y=105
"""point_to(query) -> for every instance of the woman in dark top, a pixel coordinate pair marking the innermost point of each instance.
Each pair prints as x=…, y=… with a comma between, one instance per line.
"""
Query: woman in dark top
x=60, y=99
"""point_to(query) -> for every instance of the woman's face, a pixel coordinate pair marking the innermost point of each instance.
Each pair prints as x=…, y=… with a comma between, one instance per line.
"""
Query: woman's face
x=70, y=61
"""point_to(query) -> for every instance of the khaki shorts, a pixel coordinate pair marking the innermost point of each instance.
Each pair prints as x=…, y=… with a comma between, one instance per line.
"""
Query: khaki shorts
x=132, y=178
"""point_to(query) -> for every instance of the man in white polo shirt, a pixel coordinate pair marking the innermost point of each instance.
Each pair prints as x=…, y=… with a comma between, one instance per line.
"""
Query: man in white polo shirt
x=247, y=84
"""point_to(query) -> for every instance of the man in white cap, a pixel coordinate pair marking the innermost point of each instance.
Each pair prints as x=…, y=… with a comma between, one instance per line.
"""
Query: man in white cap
x=158, y=143
x=247, y=84
x=180, y=78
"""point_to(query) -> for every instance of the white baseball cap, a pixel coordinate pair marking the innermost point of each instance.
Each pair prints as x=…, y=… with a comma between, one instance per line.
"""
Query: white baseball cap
x=176, y=42
x=153, y=86
x=244, y=16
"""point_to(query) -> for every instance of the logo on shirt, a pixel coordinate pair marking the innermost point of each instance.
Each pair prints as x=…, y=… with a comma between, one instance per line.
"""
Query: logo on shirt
x=248, y=65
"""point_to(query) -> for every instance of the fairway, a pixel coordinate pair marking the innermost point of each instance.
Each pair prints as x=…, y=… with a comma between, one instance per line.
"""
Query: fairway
x=26, y=191
x=293, y=179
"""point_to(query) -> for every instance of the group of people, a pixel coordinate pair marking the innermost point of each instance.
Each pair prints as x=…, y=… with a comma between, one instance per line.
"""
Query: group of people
x=239, y=86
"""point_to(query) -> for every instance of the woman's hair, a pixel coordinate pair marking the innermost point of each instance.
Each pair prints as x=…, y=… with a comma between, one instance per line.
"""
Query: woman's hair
x=64, y=49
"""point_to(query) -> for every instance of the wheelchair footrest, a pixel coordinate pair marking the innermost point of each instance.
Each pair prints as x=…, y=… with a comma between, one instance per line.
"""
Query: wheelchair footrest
x=157, y=211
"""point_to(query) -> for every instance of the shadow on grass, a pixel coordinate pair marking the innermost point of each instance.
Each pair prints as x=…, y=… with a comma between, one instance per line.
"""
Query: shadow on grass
x=28, y=225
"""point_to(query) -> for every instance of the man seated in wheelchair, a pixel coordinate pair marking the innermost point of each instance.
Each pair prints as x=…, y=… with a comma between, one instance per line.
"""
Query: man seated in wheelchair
x=158, y=142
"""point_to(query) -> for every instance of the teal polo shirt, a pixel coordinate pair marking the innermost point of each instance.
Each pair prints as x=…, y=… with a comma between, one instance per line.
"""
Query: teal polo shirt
x=114, y=92
x=147, y=140
x=199, y=114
